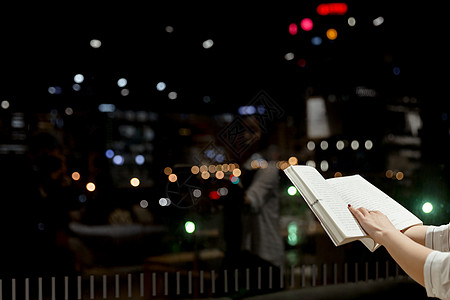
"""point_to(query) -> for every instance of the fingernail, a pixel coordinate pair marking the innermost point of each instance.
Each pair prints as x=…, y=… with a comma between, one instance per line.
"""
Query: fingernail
x=349, y=205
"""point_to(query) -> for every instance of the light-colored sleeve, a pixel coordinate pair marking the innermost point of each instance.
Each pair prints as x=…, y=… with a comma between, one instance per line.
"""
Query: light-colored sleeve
x=438, y=238
x=437, y=265
x=437, y=275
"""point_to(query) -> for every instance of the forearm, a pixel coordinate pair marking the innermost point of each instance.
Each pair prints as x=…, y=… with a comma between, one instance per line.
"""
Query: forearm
x=417, y=233
x=408, y=254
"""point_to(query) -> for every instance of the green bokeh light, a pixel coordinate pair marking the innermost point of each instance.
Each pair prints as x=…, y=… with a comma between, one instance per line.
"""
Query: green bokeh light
x=293, y=236
x=189, y=226
x=292, y=190
x=427, y=207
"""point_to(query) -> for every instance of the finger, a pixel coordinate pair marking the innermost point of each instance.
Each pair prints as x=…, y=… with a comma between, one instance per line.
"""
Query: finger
x=364, y=211
x=356, y=212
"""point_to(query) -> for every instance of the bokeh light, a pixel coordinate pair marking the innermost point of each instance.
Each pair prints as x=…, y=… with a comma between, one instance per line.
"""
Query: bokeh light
x=219, y=175
x=301, y=62
x=189, y=226
x=79, y=78
x=214, y=195
x=197, y=193
x=164, y=201
x=195, y=170
x=5, y=104
x=76, y=176
x=316, y=41
x=234, y=179
x=324, y=165
x=95, y=43
x=293, y=28
x=208, y=43
x=118, y=160
x=167, y=171
x=161, y=86
x=122, y=82
x=306, y=24
x=237, y=172
x=427, y=207
x=334, y=8
x=135, y=181
x=139, y=159
x=332, y=34
x=292, y=190
x=351, y=21
x=90, y=186
x=368, y=144
x=293, y=160
x=293, y=236
x=143, y=203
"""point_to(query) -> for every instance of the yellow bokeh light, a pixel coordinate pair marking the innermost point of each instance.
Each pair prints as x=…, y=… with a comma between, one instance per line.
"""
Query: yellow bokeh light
x=134, y=181
x=219, y=175
x=338, y=174
x=282, y=164
x=167, y=171
x=203, y=168
x=212, y=168
x=195, y=170
x=225, y=168
x=293, y=160
x=389, y=173
x=205, y=175
x=90, y=186
x=173, y=177
x=254, y=164
x=399, y=175
x=76, y=176
x=237, y=172
x=332, y=34
x=184, y=131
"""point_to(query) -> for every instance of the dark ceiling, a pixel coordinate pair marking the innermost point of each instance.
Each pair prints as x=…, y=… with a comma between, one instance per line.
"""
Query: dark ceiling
x=45, y=47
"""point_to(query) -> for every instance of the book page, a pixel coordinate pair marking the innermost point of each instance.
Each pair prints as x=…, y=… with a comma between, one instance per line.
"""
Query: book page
x=357, y=191
x=330, y=200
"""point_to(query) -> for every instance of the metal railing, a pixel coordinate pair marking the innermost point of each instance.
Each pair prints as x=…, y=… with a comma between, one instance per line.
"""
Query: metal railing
x=148, y=284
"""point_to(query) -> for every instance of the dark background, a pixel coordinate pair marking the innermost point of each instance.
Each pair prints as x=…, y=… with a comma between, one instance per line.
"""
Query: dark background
x=43, y=45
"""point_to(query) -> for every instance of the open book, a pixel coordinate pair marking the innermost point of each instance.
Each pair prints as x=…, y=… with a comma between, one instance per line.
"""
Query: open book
x=329, y=198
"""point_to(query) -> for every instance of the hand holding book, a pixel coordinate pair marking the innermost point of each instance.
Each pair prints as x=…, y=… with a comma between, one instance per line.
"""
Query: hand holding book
x=374, y=222
x=328, y=199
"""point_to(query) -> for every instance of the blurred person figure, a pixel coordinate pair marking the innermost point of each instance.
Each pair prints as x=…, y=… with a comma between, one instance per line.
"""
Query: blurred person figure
x=261, y=233
x=255, y=214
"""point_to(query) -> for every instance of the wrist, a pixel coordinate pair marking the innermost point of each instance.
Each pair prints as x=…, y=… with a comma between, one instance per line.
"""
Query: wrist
x=387, y=236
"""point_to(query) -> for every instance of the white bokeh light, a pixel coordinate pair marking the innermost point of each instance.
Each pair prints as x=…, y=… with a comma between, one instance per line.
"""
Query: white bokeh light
x=122, y=82
x=79, y=78
x=161, y=86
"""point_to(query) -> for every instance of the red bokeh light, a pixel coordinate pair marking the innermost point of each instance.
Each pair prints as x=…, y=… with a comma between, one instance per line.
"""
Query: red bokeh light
x=324, y=9
x=214, y=195
x=301, y=62
x=293, y=29
x=306, y=24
